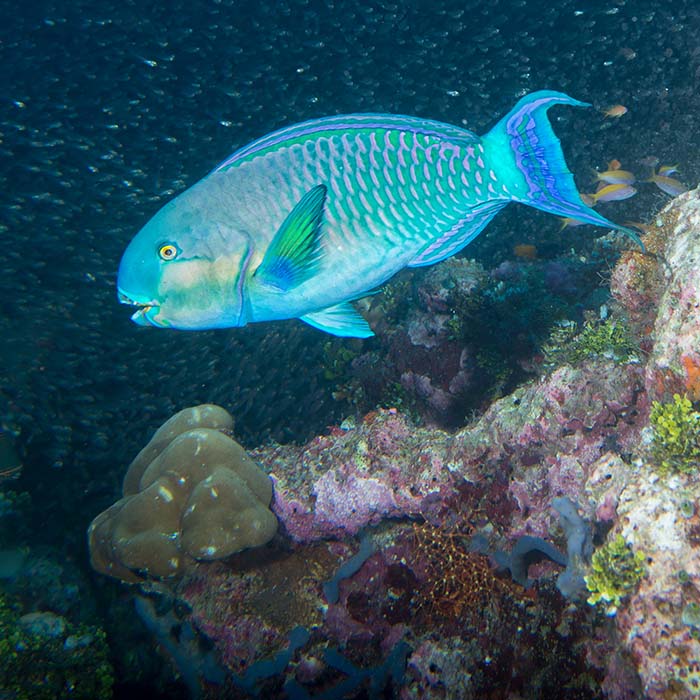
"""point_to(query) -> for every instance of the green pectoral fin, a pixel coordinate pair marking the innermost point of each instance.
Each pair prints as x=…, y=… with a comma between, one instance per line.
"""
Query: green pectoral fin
x=341, y=319
x=295, y=250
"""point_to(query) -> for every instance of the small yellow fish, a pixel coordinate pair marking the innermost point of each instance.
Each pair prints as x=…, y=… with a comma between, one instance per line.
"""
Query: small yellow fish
x=644, y=228
x=615, y=177
x=570, y=222
x=612, y=193
x=615, y=112
x=669, y=185
x=667, y=170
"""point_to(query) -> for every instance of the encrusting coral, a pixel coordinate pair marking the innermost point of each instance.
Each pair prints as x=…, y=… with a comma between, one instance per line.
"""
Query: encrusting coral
x=189, y=494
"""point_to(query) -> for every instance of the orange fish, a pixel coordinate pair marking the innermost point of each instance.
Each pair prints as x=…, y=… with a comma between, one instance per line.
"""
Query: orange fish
x=526, y=251
x=616, y=111
x=614, y=164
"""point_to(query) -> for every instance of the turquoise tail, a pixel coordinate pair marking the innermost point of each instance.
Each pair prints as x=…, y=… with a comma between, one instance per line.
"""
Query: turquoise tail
x=529, y=158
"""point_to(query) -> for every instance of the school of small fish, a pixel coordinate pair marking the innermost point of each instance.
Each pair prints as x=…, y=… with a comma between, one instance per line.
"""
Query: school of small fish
x=614, y=184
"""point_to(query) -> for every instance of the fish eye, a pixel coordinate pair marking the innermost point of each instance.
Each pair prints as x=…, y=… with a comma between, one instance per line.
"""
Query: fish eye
x=167, y=251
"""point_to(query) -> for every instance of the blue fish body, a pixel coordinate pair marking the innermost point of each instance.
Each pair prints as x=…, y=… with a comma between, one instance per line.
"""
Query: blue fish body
x=304, y=220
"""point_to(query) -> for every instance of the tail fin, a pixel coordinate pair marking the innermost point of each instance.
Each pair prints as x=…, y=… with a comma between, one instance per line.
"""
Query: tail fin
x=529, y=158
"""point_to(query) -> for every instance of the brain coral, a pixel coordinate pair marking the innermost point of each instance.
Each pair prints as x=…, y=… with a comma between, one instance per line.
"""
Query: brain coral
x=192, y=493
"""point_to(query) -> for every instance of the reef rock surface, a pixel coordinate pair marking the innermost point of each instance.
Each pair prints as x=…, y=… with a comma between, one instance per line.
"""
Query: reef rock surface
x=388, y=571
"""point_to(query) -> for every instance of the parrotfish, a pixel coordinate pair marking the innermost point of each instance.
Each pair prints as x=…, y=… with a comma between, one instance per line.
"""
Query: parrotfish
x=305, y=220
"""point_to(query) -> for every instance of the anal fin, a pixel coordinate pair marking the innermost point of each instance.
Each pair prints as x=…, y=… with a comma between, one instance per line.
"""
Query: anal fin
x=462, y=233
x=341, y=320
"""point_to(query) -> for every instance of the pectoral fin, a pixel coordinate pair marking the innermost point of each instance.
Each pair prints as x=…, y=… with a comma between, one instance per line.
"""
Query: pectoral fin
x=295, y=251
x=341, y=319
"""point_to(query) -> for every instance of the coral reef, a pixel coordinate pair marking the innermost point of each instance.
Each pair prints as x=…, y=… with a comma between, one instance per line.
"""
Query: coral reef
x=195, y=663
x=495, y=479
x=374, y=679
x=43, y=656
x=578, y=433
x=579, y=547
x=425, y=363
x=658, y=516
x=392, y=531
x=458, y=582
x=189, y=494
x=652, y=517
x=347, y=569
x=672, y=314
x=468, y=336
x=204, y=416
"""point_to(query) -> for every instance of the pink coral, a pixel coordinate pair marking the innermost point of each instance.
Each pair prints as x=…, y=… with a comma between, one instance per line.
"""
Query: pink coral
x=334, y=486
x=352, y=502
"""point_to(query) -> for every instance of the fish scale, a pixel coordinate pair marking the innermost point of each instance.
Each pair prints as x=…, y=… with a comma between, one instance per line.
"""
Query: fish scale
x=306, y=219
x=362, y=178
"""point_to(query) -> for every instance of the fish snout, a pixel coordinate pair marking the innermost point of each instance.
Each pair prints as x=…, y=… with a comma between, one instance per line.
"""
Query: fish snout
x=142, y=316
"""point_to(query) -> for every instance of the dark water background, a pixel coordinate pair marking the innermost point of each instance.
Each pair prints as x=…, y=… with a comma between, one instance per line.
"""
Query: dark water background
x=111, y=108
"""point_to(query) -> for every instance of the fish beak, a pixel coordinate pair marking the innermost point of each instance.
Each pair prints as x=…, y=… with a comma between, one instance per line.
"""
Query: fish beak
x=141, y=316
x=141, y=319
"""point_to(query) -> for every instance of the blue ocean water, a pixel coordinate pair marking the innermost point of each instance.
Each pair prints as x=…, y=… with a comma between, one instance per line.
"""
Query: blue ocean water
x=109, y=109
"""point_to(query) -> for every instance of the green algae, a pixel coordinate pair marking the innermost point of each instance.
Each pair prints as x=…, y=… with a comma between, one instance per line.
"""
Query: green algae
x=609, y=338
x=615, y=572
x=676, y=436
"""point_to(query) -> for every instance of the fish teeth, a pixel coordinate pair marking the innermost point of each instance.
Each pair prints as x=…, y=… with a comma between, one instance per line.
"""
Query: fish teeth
x=124, y=299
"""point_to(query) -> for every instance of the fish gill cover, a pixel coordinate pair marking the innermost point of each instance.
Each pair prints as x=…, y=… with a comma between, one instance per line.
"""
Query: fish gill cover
x=110, y=109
